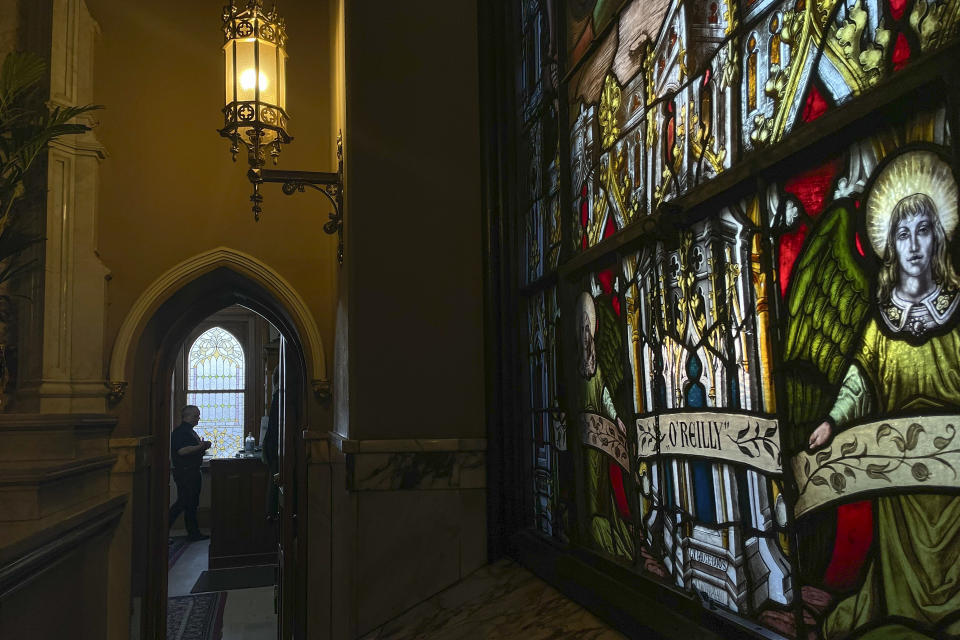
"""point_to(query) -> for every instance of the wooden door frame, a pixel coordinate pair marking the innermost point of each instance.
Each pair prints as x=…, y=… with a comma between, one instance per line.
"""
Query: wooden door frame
x=292, y=481
x=167, y=329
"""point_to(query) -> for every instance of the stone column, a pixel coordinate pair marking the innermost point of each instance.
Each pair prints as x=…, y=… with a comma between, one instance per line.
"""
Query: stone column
x=64, y=323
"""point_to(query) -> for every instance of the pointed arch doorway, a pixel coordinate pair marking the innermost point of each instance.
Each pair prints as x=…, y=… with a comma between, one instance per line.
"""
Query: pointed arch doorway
x=145, y=360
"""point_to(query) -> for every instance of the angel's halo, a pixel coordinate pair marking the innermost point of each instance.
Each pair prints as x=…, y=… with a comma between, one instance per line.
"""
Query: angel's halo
x=907, y=174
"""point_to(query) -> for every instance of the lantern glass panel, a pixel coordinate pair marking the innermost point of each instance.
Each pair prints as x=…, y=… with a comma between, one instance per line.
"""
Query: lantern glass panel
x=267, y=67
x=281, y=83
x=228, y=58
x=245, y=51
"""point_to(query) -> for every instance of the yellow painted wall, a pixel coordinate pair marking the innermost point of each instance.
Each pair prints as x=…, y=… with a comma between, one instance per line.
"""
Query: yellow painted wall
x=169, y=189
x=410, y=350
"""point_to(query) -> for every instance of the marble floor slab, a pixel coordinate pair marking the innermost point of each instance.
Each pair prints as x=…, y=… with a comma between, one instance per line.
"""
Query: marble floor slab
x=188, y=567
x=249, y=615
x=499, y=601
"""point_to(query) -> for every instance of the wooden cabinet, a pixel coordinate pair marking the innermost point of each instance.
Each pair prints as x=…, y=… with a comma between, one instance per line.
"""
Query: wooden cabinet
x=240, y=534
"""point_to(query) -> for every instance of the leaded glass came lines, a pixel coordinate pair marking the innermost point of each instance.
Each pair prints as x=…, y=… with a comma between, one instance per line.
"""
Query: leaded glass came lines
x=215, y=383
x=755, y=413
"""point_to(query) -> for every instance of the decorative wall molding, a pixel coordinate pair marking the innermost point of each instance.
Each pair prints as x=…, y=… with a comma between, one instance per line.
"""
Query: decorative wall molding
x=322, y=389
x=416, y=470
x=406, y=463
x=36, y=551
x=185, y=272
x=406, y=445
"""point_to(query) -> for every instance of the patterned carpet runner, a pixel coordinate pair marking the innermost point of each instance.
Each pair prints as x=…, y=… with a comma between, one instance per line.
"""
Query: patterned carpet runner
x=196, y=617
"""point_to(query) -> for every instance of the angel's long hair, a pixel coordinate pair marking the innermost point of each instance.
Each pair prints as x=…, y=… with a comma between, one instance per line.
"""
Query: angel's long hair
x=940, y=264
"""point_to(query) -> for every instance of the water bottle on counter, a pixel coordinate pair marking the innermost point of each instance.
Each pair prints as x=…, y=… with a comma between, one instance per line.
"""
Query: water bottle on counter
x=249, y=443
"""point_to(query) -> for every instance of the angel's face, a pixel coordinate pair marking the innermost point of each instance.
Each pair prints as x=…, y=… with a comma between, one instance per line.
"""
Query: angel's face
x=914, y=240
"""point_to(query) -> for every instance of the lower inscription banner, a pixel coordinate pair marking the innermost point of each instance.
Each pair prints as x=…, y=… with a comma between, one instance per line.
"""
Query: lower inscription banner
x=905, y=453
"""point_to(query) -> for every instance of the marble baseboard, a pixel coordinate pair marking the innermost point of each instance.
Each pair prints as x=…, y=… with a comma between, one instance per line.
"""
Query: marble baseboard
x=416, y=470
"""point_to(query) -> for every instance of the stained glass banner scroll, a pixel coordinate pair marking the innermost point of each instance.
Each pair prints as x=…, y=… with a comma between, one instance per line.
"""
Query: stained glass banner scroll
x=602, y=434
x=908, y=454
x=749, y=440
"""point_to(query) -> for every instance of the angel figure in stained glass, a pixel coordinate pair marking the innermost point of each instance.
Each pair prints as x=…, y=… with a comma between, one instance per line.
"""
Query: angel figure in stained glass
x=905, y=361
x=602, y=430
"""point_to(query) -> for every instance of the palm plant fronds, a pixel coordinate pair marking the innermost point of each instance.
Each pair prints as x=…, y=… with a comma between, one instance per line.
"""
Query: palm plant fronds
x=26, y=128
x=20, y=73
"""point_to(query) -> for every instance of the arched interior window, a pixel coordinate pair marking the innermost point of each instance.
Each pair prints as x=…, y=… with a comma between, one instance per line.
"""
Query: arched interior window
x=216, y=382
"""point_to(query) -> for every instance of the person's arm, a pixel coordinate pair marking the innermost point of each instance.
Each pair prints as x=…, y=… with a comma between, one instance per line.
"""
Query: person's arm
x=195, y=448
x=607, y=403
x=853, y=401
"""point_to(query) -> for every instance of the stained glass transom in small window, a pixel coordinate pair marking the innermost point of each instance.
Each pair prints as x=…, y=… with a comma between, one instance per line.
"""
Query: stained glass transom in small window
x=215, y=383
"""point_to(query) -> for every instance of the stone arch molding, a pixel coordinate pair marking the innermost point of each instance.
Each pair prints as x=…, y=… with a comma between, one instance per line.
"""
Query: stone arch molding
x=182, y=274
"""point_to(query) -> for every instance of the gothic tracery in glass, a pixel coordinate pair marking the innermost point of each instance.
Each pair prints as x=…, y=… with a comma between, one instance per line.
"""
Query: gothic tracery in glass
x=216, y=383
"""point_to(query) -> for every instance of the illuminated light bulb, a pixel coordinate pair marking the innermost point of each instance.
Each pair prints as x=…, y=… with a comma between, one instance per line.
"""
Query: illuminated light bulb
x=247, y=80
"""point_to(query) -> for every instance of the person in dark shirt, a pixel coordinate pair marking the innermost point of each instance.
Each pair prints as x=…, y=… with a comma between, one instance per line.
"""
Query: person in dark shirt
x=186, y=454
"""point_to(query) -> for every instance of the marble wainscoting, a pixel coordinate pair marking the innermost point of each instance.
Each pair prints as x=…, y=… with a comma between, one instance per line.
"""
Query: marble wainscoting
x=402, y=519
x=390, y=465
x=500, y=601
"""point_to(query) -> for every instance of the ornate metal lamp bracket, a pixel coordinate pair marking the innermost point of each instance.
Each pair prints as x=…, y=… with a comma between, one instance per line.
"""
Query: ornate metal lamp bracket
x=328, y=183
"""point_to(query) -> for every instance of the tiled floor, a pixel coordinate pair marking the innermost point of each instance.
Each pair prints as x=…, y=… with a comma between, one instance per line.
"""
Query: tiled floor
x=500, y=601
x=248, y=614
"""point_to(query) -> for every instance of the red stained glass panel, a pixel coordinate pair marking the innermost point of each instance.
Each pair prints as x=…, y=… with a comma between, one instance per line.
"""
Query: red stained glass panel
x=901, y=52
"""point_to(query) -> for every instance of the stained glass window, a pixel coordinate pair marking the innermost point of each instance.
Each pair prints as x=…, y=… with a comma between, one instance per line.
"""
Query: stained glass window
x=216, y=383
x=540, y=229
x=757, y=399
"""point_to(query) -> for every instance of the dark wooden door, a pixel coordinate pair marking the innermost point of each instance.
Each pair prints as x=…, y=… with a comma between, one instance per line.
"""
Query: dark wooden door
x=289, y=417
x=283, y=621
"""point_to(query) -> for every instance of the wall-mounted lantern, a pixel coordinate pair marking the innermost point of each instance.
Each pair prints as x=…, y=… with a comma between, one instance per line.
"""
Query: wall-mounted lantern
x=255, y=103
